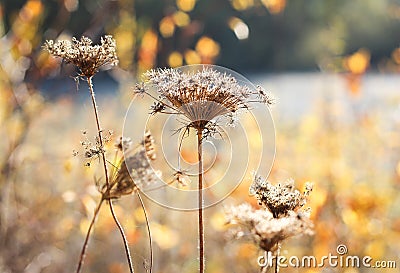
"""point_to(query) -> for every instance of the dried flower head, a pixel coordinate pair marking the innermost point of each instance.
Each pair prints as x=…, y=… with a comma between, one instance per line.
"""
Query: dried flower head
x=263, y=228
x=135, y=172
x=93, y=150
x=201, y=96
x=279, y=199
x=87, y=57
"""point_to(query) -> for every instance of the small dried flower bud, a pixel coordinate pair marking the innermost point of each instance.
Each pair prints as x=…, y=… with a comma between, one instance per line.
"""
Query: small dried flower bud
x=157, y=107
x=140, y=88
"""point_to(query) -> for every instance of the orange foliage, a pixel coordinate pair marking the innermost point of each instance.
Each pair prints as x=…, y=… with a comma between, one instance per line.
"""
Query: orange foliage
x=356, y=64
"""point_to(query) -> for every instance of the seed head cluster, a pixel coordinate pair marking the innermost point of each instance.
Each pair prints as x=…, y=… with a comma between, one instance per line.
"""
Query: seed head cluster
x=265, y=230
x=281, y=217
x=134, y=172
x=87, y=57
x=279, y=199
x=200, y=96
x=93, y=150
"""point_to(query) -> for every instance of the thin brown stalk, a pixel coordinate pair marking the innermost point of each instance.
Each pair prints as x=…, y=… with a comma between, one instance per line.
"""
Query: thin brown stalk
x=278, y=252
x=85, y=244
x=148, y=231
x=200, y=189
x=99, y=130
x=121, y=230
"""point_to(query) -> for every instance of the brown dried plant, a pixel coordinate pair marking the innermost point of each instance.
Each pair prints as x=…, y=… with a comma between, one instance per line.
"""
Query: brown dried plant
x=87, y=57
x=282, y=217
x=203, y=98
x=130, y=170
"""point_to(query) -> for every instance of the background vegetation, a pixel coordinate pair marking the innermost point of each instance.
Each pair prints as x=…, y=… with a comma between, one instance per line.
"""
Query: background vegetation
x=344, y=137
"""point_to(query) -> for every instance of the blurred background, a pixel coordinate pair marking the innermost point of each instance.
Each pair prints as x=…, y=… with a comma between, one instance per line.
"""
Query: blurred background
x=333, y=65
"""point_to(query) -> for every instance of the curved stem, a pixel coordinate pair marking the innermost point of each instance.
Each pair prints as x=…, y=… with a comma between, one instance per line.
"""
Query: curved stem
x=86, y=242
x=121, y=230
x=103, y=156
x=200, y=204
x=148, y=231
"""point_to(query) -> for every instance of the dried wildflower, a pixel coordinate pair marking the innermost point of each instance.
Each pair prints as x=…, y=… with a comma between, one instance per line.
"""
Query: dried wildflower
x=263, y=228
x=123, y=143
x=140, y=88
x=279, y=199
x=87, y=57
x=135, y=172
x=201, y=96
x=91, y=150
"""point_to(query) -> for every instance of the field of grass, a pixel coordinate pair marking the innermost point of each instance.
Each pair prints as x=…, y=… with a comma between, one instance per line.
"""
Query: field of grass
x=348, y=146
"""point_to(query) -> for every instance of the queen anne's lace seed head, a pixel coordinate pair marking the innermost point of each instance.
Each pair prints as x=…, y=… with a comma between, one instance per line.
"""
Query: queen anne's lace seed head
x=87, y=57
x=263, y=228
x=201, y=96
x=279, y=199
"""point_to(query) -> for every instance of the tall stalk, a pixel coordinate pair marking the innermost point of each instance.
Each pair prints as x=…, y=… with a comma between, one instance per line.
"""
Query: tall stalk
x=200, y=204
x=103, y=157
x=148, y=231
x=85, y=243
x=278, y=252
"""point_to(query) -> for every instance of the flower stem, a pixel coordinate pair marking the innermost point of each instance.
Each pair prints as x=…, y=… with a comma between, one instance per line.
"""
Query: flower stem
x=125, y=241
x=85, y=244
x=103, y=156
x=278, y=252
x=200, y=191
x=148, y=231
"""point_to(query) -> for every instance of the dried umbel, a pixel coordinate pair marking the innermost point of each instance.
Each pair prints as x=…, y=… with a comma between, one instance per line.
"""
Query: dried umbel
x=93, y=150
x=279, y=199
x=87, y=57
x=263, y=228
x=135, y=169
x=200, y=96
